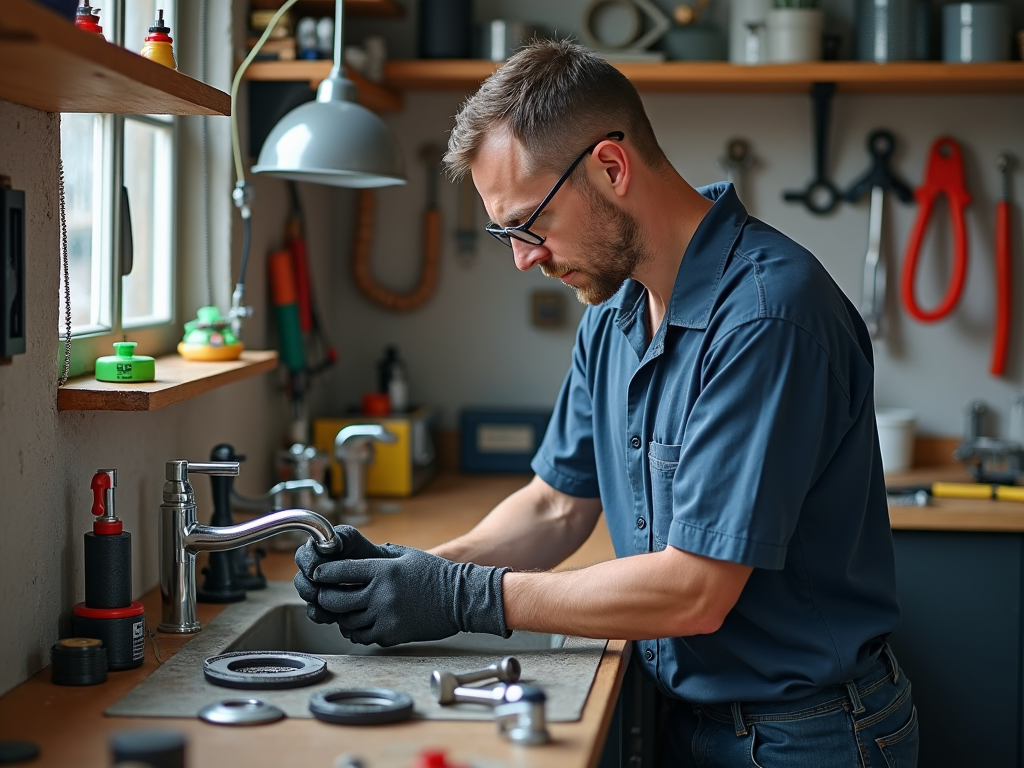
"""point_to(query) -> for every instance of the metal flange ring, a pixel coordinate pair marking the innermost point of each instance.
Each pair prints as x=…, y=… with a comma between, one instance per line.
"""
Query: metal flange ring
x=264, y=670
x=240, y=712
x=361, y=706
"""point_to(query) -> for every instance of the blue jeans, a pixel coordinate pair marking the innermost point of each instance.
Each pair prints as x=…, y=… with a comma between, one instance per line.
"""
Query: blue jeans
x=867, y=723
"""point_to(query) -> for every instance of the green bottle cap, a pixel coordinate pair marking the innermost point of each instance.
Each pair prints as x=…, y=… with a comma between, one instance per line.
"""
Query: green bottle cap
x=125, y=365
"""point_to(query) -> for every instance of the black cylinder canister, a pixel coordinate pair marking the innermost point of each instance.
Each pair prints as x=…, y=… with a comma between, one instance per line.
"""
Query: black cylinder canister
x=109, y=613
x=108, y=570
x=122, y=630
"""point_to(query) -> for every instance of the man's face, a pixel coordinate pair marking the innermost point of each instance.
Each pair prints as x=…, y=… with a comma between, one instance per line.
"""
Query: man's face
x=591, y=244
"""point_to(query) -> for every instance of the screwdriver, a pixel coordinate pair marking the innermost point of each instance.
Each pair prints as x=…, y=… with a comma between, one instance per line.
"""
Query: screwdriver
x=1004, y=286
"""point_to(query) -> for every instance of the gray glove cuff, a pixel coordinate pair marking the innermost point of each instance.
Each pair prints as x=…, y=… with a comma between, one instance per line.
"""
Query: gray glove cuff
x=479, y=605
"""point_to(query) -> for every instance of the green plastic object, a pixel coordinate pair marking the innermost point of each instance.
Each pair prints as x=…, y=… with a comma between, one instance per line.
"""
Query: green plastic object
x=125, y=365
x=210, y=329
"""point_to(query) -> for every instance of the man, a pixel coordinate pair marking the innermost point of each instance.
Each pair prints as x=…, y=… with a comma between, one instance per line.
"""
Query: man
x=719, y=409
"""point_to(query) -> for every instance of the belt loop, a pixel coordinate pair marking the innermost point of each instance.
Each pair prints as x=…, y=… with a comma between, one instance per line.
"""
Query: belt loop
x=737, y=720
x=855, y=702
x=892, y=662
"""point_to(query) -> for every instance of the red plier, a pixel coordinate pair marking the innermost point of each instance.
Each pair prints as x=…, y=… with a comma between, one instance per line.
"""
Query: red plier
x=944, y=175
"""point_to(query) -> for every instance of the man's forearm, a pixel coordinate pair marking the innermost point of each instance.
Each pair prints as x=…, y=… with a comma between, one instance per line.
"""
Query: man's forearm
x=664, y=594
x=535, y=528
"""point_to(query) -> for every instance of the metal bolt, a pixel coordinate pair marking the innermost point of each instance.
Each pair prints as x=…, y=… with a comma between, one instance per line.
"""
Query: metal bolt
x=443, y=684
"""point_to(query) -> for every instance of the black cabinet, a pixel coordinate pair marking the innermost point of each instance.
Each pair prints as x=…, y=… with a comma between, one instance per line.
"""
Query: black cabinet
x=961, y=643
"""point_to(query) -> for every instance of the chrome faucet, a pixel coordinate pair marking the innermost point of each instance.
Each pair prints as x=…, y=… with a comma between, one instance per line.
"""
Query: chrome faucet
x=181, y=537
x=353, y=447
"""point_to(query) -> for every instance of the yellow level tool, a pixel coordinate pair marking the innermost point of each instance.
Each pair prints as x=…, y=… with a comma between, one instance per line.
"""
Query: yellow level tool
x=976, y=491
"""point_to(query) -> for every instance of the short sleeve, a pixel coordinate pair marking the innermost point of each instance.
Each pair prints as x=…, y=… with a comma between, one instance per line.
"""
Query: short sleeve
x=565, y=460
x=754, y=443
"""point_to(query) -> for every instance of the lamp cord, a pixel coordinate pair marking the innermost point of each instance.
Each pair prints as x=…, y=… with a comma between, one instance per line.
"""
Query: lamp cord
x=236, y=145
x=204, y=123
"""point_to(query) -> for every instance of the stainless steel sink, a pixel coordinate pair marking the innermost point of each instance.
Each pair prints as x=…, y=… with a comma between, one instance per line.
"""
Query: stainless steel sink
x=274, y=619
x=286, y=628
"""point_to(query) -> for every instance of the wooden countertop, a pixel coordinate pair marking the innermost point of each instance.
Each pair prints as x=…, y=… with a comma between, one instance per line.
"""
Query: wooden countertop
x=952, y=514
x=69, y=725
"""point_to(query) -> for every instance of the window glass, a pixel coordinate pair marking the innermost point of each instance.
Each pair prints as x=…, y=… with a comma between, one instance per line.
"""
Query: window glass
x=84, y=150
x=140, y=15
x=148, y=146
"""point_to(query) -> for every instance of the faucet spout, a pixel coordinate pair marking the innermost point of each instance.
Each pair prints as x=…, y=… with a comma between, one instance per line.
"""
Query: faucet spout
x=181, y=537
x=206, y=538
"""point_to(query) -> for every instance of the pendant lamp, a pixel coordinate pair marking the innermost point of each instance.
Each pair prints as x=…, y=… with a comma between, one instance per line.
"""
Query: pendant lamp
x=333, y=140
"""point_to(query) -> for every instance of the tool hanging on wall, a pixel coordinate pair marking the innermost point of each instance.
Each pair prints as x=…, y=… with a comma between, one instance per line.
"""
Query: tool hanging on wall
x=943, y=176
x=1004, y=272
x=820, y=196
x=431, y=155
x=737, y=160
x=320, y=353
x=878, y=180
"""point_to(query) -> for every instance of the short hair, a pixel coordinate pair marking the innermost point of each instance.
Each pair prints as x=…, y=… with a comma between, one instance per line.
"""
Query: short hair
x=555, y=98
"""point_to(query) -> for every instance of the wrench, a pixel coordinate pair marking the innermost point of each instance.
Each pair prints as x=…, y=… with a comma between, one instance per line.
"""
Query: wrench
x=736, y=161
x=820, y=196
x=879, y=179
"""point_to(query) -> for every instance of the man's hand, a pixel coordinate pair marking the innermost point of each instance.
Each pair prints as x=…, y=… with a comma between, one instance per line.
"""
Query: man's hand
x=353, y=545
x=389, y=594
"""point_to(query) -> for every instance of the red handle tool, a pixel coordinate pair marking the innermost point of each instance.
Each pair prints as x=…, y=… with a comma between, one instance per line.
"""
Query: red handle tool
x=1004, y=277
x=944, y=175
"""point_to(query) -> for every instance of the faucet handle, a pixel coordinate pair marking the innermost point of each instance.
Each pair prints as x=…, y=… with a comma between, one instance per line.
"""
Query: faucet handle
x=229, y=468
x=178, y=470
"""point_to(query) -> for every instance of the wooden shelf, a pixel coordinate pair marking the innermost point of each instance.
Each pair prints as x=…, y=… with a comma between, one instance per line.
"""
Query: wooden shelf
x=387, y=8
x=720, y=77
x=696, y=77
x=177, y=379
x=48, y=64
x=371, y=95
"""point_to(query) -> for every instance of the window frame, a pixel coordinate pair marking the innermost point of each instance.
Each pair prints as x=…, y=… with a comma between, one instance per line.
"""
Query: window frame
x=153, y=338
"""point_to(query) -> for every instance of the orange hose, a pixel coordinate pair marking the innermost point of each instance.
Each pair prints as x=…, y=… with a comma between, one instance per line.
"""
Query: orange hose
x=361, y=271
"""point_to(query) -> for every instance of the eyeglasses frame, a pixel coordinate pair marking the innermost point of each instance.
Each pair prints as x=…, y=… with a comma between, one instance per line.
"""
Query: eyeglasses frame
x=505, y=235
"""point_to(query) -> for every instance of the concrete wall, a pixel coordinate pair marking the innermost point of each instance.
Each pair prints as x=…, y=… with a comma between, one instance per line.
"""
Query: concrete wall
x=473, y=344
x=47, y=457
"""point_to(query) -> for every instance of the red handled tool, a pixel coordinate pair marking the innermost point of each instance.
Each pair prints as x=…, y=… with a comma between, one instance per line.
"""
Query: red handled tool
x=1004, y=276
x=944, y=175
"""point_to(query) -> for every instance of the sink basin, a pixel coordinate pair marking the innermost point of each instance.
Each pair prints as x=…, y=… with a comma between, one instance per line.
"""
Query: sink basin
x=274, y=619
x=286, y=628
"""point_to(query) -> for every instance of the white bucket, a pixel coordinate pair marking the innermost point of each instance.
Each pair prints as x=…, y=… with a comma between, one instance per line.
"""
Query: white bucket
x=896, y=438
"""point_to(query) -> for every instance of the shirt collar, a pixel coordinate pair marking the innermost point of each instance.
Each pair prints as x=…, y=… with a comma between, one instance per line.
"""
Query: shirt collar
x=705, y=258
x=702, y=266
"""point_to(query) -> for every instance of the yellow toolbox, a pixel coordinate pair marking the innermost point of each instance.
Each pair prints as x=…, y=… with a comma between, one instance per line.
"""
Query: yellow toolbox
x=399, y=468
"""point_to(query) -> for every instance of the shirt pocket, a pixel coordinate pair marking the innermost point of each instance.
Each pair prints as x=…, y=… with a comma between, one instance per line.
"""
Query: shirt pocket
x=663, y=461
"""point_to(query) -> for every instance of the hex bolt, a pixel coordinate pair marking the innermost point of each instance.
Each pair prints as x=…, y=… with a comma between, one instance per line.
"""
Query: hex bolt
x=443, y=684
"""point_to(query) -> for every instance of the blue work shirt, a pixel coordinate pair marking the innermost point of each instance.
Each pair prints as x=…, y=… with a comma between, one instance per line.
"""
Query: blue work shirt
x=744, y=430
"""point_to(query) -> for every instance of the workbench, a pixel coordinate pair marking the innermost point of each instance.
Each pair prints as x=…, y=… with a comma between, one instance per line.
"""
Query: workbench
x=960, y=576
x=69, y=725
x=960, y=572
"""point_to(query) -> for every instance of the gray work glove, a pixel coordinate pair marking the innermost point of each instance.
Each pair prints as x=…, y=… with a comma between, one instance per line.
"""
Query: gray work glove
x=353, y=545
x=388, y=594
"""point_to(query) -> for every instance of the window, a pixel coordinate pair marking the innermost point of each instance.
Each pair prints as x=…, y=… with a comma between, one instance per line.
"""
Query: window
x=119, y=186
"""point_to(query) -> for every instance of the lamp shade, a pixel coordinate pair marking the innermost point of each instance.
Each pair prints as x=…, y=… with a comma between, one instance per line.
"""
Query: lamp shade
x=333, y=141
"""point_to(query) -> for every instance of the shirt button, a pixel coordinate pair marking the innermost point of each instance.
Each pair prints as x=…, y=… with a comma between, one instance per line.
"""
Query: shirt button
x=649, y=654
x=635, y=442
x=641, y=523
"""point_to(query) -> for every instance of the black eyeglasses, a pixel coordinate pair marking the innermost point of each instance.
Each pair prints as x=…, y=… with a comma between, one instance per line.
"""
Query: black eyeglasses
x=522, y=231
